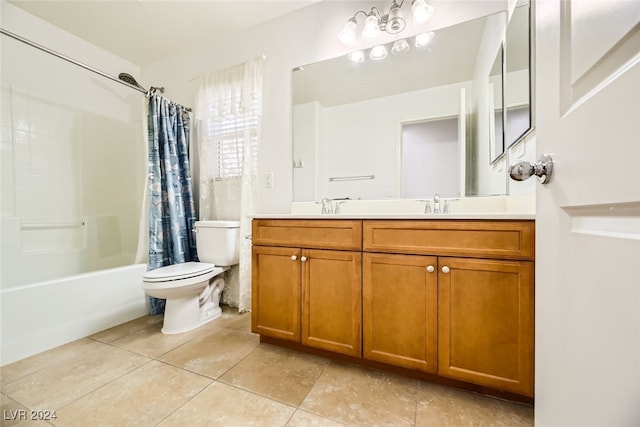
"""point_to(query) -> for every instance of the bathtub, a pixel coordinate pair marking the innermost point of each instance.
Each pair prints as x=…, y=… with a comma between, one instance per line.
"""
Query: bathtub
x=40, y=316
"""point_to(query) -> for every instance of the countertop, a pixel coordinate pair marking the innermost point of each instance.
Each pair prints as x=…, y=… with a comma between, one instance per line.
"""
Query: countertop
x=462, y=216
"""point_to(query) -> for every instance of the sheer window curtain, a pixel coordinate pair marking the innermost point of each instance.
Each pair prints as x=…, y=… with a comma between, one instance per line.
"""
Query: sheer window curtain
x=229, y=114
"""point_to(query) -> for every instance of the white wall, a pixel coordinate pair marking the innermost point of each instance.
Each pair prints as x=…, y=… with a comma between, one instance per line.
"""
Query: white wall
x=302, y=37
x=72, y=153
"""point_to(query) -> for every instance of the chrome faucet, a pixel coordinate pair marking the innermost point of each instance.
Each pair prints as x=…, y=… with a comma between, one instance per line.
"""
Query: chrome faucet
x=327, y=206
x=436, y=203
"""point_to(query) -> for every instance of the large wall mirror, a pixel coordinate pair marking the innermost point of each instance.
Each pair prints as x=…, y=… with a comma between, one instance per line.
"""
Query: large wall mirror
x=407, y=126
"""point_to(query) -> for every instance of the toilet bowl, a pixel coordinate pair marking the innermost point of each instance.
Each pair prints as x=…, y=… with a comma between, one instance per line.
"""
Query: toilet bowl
x=192, y=289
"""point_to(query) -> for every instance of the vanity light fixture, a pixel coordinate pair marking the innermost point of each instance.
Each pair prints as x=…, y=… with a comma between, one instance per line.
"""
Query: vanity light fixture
x=392, y=22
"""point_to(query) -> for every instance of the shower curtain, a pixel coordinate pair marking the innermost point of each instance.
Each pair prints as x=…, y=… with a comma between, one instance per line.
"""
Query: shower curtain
x=171, y=209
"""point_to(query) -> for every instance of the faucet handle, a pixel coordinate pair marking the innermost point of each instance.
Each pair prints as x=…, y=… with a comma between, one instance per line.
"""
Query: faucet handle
x=336, y=204
x=427, y=205
x=447, y=208
x=327, y=207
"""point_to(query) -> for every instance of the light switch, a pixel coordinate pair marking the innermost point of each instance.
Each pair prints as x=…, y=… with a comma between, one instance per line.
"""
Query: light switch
x=268, y=180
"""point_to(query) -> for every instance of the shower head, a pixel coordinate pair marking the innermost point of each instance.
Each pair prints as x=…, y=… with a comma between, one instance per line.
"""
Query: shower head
x=128, y=78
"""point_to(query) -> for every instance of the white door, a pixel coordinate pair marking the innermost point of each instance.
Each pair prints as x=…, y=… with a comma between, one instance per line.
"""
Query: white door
x=588, y=218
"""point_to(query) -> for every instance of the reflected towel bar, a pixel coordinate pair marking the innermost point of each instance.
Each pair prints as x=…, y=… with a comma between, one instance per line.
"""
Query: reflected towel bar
x=351, y=178
x=51, y=226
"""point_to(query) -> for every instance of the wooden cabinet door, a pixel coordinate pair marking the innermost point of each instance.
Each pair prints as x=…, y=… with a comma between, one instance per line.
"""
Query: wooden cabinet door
x=399, y=310
x=332, y=300
x=485, y=322
x=275, y=306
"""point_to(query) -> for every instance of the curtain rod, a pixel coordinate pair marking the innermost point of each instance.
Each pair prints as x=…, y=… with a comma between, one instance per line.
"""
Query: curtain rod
x=73, y=61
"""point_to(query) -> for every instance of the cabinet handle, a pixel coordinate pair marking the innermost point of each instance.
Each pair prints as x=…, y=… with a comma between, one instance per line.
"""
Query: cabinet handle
x=294, y=257
x=446, y=269
x=303, y=259
x=431, y=268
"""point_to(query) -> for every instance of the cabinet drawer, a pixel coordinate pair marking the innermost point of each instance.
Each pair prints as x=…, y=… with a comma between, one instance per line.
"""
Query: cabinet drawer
x=315, y=234
x=486, y=239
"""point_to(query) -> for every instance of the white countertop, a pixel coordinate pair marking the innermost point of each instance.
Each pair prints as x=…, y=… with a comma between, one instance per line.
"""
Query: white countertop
x=467, y=216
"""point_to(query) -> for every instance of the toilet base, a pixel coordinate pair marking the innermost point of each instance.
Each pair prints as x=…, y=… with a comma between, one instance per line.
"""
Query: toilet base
x=188, y=313
x=181, y=315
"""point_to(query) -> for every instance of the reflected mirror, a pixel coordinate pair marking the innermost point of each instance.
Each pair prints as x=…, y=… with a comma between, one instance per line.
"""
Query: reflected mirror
x=400, y=127
x=517, y=78
x=496, y=92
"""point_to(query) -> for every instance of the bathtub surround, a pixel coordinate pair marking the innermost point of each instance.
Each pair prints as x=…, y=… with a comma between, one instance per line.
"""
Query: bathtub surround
x=229, y=106
x=171, y=210
x=70, y=160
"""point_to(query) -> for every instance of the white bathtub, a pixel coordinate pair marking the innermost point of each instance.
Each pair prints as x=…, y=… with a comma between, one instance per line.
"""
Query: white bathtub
x=40, y=316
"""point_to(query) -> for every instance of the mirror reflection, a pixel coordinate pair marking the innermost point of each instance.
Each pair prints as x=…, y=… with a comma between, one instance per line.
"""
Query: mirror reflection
x=517, y=77
x=406, y=126
x=496, y=84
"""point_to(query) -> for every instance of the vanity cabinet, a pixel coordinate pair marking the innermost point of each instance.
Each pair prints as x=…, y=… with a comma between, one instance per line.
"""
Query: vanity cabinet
x=307, y=295
x=483, y=273
x=450, y=300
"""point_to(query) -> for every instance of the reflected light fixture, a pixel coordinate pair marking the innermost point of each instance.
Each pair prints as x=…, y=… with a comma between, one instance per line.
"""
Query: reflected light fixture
x=357, y=56
x=423, y=39
x=400, y=46
x=392, y=22
x=378, y=52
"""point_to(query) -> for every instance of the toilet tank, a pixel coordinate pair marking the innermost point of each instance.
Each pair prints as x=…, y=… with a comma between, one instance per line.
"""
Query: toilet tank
x=218, y=242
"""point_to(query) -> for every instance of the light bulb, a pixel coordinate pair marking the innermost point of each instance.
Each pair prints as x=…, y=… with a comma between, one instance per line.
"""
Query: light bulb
x=378, y=52
x=421, y=11
x=371, y=29
x=348, y=33
x=357, y=56
x=400, y=46
x=395, y=22
x=424, y=38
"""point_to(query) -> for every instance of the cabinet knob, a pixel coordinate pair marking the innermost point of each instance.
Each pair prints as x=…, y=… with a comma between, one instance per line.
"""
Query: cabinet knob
x=294, y=257
x=445, y=269
x=431, y=268
x=303, y=258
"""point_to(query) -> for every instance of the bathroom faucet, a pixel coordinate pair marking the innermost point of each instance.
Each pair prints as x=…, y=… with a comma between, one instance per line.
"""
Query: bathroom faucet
x=327, y=206
x=436, y=203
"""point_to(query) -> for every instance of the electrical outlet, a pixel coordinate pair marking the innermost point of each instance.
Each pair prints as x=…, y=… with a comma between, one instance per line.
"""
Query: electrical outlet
x=268, y=180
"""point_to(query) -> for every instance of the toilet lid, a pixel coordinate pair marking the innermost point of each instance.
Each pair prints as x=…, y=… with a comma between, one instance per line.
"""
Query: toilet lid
x=178, y=271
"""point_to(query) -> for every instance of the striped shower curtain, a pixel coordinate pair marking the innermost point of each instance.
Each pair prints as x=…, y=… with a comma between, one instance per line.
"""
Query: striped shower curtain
x=171, y=209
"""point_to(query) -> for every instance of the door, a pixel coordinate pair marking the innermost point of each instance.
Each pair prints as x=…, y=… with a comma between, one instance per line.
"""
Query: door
x=588, y=216
x=485, y=322
x=399, y=310
x=332, y=300
x=275, y=282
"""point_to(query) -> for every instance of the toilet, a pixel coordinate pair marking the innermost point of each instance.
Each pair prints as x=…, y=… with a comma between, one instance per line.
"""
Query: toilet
x=192, y=289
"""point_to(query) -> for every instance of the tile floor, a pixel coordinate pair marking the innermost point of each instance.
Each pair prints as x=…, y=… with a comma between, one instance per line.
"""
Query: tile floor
x=221, y=375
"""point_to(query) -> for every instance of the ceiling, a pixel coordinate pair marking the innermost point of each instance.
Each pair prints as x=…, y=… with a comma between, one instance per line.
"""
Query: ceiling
x=144, y=31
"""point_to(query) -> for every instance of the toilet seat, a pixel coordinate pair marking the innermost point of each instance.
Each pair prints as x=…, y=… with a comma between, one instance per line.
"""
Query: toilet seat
x=186, y=270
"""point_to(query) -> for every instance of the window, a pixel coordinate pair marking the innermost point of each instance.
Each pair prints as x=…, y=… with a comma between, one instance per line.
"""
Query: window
x=227, y=133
